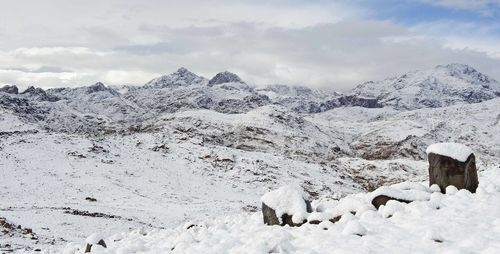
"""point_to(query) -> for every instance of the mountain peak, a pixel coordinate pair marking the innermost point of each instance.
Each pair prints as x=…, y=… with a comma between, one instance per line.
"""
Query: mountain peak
x=38, y=93
x=9, y=89
x=181, y=77
x=183, y=71
x=225, y=77
x=100, y=87
x=441, y=86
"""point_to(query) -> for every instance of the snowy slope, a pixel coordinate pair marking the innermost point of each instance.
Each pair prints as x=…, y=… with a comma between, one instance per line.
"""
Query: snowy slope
x=458, y=222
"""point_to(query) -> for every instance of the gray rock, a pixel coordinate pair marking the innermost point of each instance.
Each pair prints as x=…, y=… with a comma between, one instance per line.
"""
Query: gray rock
x=445, y=171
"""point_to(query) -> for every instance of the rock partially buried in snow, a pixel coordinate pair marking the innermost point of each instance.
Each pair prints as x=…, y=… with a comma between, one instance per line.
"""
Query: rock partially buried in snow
x=94, y=239
x=381, y=200
x=452, y=164
x=287, y=205
x=406, y=193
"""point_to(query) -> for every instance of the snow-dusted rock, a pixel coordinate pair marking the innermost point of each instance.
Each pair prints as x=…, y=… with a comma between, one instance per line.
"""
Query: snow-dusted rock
x=94, y=240
x=182, y=77
x=401, y=193
x=452, y=164
x=38, y=93
x=9, y=89
x=287, y=205
x=224, y=77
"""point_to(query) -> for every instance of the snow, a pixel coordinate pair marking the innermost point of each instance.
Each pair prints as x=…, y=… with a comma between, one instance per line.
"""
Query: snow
x=287, y=200
x=459, y=224
x=456, y=151
x=94, y=238
x=319, y=216
x=353, y=227
x=409, y=195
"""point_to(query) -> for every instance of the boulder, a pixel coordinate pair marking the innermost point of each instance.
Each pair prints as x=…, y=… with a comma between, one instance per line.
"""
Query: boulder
x=270, y=217
x=452, y=164
x=285, y=206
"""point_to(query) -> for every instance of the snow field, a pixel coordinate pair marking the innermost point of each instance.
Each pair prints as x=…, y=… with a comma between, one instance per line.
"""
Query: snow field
x=461, y=222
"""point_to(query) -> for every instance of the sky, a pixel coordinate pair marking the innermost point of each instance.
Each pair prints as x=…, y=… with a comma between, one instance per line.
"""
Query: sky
x=315, y=43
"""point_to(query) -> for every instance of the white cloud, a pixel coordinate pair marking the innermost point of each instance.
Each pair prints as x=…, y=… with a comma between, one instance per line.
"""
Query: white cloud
x=51, y=51
x=314, y=43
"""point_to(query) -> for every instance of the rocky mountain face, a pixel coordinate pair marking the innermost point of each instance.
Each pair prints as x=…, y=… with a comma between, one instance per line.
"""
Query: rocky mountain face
x=182, y=77
x=295, y=122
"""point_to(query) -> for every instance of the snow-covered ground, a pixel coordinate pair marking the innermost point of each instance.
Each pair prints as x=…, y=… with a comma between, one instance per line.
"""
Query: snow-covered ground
x=457, y=222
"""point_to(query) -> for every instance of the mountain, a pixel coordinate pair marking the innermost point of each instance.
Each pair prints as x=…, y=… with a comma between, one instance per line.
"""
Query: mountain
x=159, y=155
x=224, y=77
x=182, y=77
x=438, y=87
x=9, y=89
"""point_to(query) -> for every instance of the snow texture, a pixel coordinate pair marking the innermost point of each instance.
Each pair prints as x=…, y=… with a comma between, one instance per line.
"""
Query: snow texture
x=420, y=193
x=456, y=151
x=461, y=223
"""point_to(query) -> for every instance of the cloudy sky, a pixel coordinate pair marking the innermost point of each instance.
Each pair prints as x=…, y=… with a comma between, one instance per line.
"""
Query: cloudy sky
x=319, y=43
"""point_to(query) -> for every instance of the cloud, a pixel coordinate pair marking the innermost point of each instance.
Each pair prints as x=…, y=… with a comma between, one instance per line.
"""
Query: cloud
x=314, y=43
x=52, y=51
x=41, y=69
x=485, y=7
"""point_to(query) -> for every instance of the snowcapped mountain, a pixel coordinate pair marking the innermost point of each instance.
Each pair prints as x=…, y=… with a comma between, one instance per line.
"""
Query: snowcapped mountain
x=199, y=148
x=224, y=77
x=438, y=87
x=182, y=77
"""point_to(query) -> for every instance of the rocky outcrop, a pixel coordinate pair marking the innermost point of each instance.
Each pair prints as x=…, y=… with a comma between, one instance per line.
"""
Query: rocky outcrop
x=39, y=94
x=353, y=100
x=100, y=87
x=9, y=89
x=224, y=77
x=182, y=77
